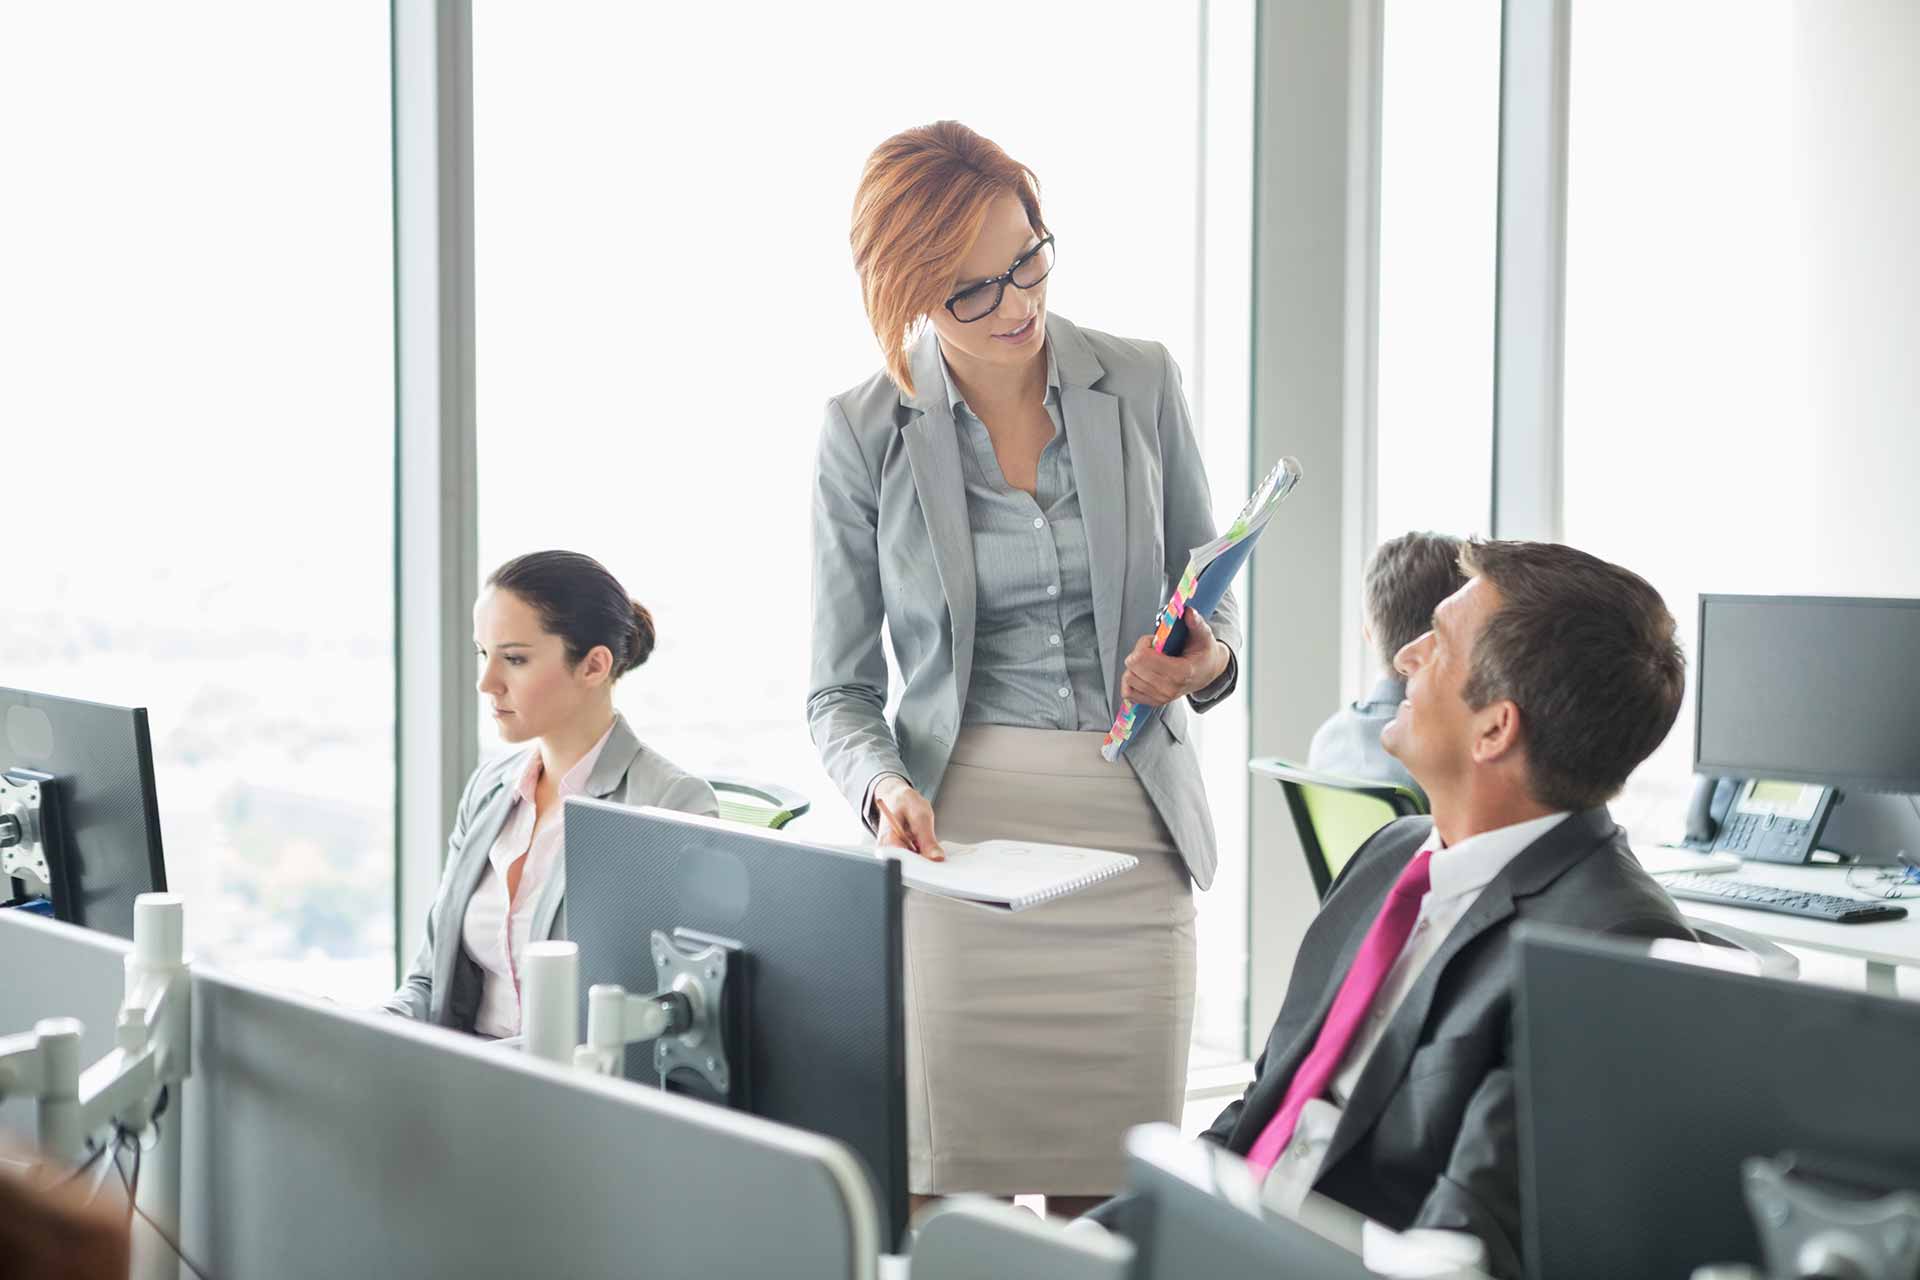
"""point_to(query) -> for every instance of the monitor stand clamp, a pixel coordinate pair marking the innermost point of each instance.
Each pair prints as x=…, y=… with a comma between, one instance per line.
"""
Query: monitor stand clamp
x=1813, y=1224
x=696, y=1018
x=29, y=828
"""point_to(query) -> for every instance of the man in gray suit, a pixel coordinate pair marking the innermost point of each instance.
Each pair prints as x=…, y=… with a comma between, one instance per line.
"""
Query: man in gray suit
x=1406, y=580
x=1387, y=1083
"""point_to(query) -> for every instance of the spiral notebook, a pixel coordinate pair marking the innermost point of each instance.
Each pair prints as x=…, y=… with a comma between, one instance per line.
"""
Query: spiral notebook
x=1013, y=874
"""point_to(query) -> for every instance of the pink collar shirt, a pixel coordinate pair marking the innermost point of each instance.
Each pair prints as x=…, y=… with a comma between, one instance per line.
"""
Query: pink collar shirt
x=495, y=929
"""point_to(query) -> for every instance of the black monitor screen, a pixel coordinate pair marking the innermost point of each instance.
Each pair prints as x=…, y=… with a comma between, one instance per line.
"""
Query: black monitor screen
x=1812, y=689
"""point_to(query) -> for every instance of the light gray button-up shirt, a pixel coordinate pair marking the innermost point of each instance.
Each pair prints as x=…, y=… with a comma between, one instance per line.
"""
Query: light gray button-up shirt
x=1036, y=655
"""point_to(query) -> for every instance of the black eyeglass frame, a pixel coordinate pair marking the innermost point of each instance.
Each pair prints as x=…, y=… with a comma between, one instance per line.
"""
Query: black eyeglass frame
x=1000, y=282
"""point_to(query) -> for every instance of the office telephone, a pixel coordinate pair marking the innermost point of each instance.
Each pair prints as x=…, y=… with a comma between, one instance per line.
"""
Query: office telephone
x=1758, y=819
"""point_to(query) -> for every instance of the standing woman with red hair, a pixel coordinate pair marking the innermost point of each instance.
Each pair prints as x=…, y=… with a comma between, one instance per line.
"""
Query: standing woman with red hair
x=1013, y=496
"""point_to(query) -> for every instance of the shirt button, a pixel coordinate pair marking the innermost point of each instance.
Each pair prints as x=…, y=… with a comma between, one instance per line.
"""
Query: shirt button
x=1300, y=1149
x=1039, y=522
x=1064, y=692
x=1053, y=639
x=1053, y=589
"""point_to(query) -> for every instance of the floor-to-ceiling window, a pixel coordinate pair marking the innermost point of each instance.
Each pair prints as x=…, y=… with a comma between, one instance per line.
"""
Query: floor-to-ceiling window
x=1439, y=195
x=196, y=443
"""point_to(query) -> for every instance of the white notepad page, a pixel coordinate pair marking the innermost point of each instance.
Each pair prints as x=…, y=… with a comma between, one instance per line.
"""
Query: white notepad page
x=1015, y=874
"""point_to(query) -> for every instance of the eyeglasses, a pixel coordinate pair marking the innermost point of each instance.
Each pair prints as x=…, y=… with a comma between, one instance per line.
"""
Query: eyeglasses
x=977, y=302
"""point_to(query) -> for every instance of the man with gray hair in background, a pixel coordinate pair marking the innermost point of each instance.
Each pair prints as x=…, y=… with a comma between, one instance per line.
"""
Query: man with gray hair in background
x=1406, y=580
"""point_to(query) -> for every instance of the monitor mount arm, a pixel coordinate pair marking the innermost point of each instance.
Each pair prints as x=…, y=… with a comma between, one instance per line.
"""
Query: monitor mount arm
x=152, y=1055
x=1814, y=1224
x=694, y=1015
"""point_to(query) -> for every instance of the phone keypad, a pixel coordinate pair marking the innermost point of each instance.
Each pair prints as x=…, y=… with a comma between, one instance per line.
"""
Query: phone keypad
x=1761, y=834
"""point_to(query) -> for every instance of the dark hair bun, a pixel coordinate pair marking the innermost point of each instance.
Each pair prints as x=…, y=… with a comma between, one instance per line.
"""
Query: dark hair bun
x=640, y=637
x=579, y=601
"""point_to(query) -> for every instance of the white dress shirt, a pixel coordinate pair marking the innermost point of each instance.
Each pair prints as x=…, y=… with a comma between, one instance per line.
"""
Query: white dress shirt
x=495, y=929
x=1457, y=874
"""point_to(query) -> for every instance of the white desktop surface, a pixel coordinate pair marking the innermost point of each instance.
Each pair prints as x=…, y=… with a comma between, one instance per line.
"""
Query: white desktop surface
x=1879, y=942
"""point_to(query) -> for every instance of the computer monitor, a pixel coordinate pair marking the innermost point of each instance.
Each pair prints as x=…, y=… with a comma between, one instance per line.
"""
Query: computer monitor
x=817, y=933
x=1190, y=1224
x=1809, y=689
x=1643, y=1084
x=77, y=780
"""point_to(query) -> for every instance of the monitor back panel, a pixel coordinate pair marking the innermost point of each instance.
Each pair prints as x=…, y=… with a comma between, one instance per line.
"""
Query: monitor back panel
x=104, y=760
x=1643, y=1085
x=323, y=1142
x=823, y=933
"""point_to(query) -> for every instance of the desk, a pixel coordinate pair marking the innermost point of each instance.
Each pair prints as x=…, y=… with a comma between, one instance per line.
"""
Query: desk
x=1883, y=944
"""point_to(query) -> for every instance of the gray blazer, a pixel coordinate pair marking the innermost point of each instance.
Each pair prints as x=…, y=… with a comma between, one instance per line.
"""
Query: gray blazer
x=445, y=984
x=892, y=544
x=1349, y=742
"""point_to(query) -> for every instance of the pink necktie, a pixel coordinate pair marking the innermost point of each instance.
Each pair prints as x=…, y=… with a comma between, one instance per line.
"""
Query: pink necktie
x=1382, y=946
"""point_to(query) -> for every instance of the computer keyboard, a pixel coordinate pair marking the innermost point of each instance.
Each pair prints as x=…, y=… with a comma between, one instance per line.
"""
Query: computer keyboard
x=1729, y=892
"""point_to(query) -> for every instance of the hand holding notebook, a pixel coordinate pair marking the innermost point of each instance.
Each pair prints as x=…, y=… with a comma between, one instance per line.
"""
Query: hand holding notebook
x=1013, y=874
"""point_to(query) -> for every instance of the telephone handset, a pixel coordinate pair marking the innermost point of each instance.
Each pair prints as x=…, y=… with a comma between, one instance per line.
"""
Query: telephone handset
x=1758, y=818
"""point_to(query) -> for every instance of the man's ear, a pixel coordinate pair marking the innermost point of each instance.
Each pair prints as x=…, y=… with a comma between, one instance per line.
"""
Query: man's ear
x=1497, y=732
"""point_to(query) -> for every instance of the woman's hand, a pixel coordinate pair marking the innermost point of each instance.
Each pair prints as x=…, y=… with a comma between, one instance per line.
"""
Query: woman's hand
x=906, y=819
x=1155, y=679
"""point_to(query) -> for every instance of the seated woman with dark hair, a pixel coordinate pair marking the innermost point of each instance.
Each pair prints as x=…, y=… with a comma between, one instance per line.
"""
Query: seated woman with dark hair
x=554, y=631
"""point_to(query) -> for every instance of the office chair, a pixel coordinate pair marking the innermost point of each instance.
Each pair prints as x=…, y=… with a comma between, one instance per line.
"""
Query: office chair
x=757, y=804
x=1775, y=961
x=1335, y=815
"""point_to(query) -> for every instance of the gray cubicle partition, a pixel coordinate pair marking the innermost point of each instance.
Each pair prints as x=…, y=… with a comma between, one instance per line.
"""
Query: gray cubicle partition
x=53, y=970
x=322, y=1141
x=974, y=1238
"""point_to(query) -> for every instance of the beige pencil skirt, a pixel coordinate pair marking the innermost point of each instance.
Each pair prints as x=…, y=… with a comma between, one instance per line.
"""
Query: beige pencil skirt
x=1037, y=1038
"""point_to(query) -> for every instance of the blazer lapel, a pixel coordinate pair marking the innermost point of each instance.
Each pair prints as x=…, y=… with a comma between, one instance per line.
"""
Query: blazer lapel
x=1531, y=871
x=609, y=773
x=933, y=451
x=1387, y=1067
x=473, y=862
x=1349, y=914
x=1093, y=438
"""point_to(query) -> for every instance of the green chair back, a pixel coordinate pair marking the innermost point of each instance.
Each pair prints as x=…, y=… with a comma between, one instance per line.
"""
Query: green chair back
x=1335, y=815
x=756, y=803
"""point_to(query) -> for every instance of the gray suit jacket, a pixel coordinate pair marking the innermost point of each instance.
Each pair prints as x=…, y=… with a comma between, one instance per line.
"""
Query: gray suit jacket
x=445, y=984
x=892, y=544
x=1349, y=742
x=1429, y=1138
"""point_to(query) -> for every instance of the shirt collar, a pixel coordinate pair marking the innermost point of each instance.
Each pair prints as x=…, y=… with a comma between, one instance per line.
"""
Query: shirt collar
x=574, y=781
x=956, y=402
x=1469, y=865
x=1387, y=693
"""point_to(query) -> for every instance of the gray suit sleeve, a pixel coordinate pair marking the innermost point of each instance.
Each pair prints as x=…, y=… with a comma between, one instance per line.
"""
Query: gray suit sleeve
x=1480, y=1190
x=1189, y=521
x=847, y=693
x=414, y=997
